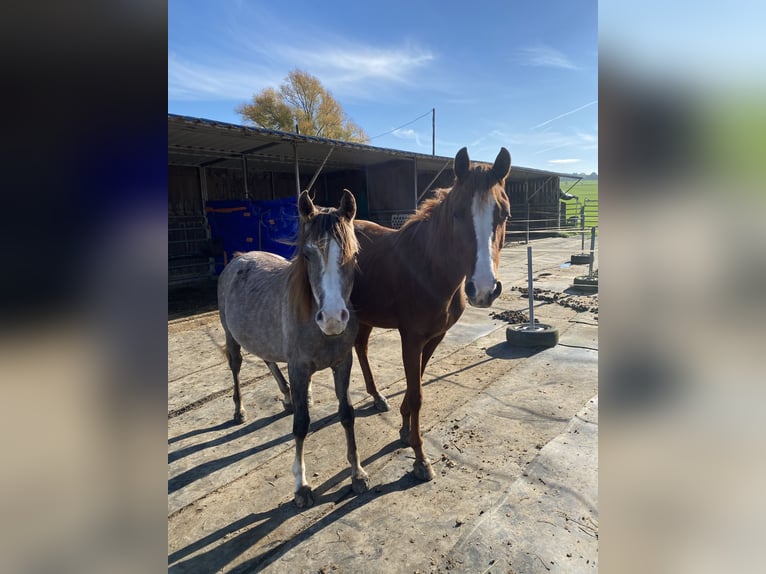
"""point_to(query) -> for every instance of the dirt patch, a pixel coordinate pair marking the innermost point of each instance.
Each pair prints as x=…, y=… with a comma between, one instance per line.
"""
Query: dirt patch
x=513, y=317
x=579, y=303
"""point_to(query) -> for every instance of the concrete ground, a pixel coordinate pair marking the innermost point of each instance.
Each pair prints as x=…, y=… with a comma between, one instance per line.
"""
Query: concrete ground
x=512, y=433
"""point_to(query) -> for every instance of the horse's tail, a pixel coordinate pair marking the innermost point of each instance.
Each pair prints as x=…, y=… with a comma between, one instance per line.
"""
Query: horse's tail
x=222, y=348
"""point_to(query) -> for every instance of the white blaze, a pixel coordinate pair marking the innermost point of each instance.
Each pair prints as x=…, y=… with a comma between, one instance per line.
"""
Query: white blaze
x=334, y=312
x=331, y=284
x=483, y=275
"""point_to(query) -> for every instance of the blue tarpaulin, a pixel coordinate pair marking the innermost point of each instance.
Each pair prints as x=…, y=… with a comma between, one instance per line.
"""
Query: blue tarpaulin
x=246, y=225
x=279, y=225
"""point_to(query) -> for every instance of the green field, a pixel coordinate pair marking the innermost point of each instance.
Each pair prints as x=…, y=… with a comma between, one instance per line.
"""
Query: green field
x=587, y=192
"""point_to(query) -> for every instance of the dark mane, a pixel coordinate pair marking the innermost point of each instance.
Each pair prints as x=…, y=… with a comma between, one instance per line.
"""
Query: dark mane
x=326, y=224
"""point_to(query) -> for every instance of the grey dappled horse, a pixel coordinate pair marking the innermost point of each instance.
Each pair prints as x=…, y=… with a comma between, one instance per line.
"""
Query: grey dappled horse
x=298, y=312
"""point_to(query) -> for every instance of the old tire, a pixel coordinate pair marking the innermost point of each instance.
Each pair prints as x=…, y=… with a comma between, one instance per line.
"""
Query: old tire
x=580, y=259
x=538, y=336
x=586, y=283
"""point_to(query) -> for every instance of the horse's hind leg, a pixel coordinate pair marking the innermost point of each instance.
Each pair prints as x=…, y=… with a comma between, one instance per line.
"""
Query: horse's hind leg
x=283, y=386
x=299, y=382
x=234, y=355
x=360, y=344
x=360, y=482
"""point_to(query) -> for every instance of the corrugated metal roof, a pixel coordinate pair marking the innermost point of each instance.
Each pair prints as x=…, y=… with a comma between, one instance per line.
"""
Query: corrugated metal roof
x=200, y=142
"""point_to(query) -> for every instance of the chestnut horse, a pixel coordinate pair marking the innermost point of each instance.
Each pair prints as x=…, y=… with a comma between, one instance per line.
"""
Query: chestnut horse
x=412, y=279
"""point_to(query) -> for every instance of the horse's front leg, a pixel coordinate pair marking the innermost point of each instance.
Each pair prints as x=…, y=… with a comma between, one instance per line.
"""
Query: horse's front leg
x=412, y=354
x=299, y=384
x=341, y=373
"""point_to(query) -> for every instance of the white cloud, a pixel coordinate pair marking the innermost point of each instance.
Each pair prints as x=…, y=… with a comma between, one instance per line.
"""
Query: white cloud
x=358, y=70
x=240, y=63
x=563, y=161
x=565, y=114
x=197, y=81
x=548, y=141
x=545, y=56
x=408, y=134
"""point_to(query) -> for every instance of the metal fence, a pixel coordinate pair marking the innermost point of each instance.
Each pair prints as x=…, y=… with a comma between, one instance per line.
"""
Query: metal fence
x=188, y=241
x=541, y=219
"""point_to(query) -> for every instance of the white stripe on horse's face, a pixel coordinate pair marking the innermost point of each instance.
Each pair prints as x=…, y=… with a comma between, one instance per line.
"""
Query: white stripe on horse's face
x=333, y=314
x=484, y=273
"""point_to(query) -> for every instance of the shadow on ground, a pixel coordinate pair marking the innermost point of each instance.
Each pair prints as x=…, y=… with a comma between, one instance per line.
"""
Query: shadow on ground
x=259, y=525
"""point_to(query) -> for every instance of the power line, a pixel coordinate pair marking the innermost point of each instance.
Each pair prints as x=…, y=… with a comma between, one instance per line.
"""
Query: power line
x=401, y=126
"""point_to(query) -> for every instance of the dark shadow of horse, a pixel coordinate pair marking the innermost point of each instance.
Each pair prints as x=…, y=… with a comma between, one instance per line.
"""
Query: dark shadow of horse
x=257, y=526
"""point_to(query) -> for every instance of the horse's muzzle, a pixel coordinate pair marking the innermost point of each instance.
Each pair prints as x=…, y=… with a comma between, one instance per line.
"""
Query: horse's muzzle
x=332, y=323
x=483, y=299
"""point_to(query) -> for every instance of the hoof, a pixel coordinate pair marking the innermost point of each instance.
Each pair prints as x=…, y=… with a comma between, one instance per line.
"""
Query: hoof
x=360, y=483
x=239, y=417
x=404, y=436
x=303, y=497
x=381, y=404
x=422, y=470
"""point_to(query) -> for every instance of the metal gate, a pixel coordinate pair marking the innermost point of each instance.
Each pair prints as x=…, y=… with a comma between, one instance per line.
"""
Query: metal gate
x=188, y=249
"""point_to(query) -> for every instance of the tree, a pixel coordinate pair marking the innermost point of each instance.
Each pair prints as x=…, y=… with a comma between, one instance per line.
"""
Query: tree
x=301, y=99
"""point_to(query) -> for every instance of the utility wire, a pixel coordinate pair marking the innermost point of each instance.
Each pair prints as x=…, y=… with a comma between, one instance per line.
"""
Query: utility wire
x=401, y=126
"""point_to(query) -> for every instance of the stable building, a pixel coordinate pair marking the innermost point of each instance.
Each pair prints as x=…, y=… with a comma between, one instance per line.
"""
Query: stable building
x=232, y=185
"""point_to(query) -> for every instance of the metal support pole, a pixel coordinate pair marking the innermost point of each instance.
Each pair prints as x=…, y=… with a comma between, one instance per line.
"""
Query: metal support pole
x=318, y=171
x=208, y=235
x=244, y=175
x=526, y=195
x=592, y=249
x=433, y=131
x=433, y=180
x=297, y=171
x=202, y=186
x=415, y=172
x=582, y=228
x=529, y=288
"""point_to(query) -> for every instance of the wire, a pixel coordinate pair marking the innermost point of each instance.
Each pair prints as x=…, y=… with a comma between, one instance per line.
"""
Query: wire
x=401, y=126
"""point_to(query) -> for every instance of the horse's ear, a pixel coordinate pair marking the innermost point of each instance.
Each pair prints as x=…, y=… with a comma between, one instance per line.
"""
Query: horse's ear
x=502, y=165
x=347, y=205
x=462, y=163
x=306, y=207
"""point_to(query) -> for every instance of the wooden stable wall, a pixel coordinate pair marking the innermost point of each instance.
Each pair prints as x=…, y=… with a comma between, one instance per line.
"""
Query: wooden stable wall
x=543, y=204
x=391, y=190
x=184, y=197
x=385, y=193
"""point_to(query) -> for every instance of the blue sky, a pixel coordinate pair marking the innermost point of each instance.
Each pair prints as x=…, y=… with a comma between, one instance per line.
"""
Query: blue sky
x=518, y=74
